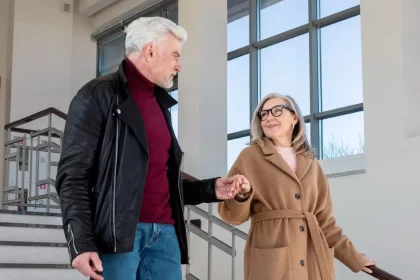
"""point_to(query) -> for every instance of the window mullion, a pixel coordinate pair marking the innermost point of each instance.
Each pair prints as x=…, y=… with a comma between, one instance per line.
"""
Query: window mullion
x=314, y=72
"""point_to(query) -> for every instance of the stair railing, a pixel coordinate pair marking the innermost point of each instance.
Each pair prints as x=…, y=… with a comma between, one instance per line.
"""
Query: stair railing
x=29, y=152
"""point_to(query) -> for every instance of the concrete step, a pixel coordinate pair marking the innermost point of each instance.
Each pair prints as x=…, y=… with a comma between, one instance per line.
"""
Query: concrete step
x=30, y=218
x=40, y=272
x=31, y=232
x=18, y=252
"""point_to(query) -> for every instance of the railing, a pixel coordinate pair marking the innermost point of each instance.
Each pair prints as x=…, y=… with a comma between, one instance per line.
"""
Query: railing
x=30, y=157
x=376, y=271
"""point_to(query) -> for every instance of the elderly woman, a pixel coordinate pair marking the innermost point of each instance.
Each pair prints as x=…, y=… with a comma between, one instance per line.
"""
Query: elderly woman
x=293, y=234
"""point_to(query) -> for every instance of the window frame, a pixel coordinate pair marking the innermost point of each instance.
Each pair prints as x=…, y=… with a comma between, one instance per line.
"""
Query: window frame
x=313, y=27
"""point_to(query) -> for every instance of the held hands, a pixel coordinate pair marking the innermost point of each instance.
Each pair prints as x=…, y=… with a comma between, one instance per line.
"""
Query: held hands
x=88, y=264
x=228, y=188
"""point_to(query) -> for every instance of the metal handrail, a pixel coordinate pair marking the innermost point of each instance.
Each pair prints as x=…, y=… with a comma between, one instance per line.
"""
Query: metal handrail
x=377, y=272
x=18, y=149
x=35, y=116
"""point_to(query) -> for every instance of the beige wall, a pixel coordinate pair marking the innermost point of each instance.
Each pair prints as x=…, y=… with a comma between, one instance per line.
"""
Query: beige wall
x=6, y=39
x=53, y=55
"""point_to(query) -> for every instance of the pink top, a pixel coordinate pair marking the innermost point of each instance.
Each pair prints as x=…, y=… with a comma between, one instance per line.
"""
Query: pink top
x=289, y=155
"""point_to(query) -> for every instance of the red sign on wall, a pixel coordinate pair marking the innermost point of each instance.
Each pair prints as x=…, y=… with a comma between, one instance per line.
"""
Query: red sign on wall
x=43, y=187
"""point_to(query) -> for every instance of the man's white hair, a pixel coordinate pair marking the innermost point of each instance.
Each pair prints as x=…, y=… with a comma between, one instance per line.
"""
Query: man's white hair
x=147, y=30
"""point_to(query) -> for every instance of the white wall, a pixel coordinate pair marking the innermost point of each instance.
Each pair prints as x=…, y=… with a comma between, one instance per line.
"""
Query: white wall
x=392, y=192
x=53, y=55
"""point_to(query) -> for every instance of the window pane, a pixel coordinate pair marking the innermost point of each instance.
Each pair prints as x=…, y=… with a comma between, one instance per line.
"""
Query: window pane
x=174, y=112
x=278, y=16
x=341, y=64
x=238, y=24
x=112, y=53
x=329, y=7
x=173, y=15
x=285, y=70
x=308, y=132
x=343, y=136
x=234, y=148
x=238, y=94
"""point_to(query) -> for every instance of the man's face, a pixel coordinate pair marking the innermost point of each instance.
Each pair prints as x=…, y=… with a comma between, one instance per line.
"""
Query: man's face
x=166, y=64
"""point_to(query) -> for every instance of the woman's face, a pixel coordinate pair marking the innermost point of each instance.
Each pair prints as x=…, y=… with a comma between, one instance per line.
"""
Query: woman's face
x=277, y=119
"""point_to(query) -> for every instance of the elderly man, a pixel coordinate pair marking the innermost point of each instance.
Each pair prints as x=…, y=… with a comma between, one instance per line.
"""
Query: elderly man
x=119, y=183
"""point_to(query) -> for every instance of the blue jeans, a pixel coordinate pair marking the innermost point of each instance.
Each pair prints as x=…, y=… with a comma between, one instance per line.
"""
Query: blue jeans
x=155, y=256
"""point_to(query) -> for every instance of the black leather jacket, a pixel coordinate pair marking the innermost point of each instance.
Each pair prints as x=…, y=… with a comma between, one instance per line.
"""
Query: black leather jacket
x=102, y=169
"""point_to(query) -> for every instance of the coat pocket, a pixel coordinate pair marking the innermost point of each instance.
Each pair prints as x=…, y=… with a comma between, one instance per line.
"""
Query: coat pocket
x=270, y=264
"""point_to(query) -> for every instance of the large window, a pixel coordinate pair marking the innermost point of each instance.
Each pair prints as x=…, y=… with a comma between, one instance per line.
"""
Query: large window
x=111, y=41
x=174, y=112
x=309, y=49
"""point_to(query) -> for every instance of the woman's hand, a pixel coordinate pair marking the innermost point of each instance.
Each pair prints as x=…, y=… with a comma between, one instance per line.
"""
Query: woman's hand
x=242, y=188
x=367, y=262
x=241, y=184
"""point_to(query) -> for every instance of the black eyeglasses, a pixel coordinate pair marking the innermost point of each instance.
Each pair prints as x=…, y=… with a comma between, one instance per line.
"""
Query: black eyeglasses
x=276, y=111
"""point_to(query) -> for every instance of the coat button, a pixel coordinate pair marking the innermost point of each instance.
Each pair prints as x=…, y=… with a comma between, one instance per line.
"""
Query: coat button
x=301, y=228
x=297, y=196
x=302, y=262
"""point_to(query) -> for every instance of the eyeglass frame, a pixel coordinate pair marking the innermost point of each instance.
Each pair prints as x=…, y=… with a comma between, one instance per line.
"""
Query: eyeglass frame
x=271, y=111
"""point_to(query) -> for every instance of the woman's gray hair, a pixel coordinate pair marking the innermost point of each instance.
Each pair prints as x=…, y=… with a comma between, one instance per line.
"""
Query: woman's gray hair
x=147, y=30
x=299, y=139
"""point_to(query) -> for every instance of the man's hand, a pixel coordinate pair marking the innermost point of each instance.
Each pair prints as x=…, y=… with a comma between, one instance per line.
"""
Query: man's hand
x=88, y=264
x=227, y=188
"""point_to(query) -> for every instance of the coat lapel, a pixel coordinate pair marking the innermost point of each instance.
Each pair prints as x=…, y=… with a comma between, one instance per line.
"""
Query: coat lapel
x=130, y=114
x=303, y=165
x=302, y=162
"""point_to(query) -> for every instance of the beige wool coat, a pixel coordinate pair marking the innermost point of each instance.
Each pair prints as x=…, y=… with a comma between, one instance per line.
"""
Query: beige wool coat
x=293, y=233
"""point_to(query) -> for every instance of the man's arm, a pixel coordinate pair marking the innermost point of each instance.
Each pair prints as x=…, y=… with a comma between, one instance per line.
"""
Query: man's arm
x=200, y=191
x=76, y=171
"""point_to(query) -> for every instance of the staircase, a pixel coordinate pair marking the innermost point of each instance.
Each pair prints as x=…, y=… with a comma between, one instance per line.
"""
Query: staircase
x=33, y=247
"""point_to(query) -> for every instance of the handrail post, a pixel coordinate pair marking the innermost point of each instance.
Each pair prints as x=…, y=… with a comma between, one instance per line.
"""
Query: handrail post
x=210, y=248
x=49, y=162
x=187, y=271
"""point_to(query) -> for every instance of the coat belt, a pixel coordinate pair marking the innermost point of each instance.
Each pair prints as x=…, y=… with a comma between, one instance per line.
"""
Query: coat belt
x=318, y=239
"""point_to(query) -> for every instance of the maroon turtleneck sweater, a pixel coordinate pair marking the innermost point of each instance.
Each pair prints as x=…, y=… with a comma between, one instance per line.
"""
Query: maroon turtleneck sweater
x=155, y=207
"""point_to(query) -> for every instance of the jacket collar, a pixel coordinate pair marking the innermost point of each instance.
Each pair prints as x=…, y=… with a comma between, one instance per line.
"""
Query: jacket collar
x=161, y=94
x=303, y=163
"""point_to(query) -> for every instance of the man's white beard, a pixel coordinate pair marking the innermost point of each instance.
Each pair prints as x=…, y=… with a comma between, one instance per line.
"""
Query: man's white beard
x=168, y=83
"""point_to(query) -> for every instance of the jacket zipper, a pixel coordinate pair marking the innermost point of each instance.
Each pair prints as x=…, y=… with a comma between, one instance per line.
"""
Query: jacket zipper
x=117, y=134
x=71, y=239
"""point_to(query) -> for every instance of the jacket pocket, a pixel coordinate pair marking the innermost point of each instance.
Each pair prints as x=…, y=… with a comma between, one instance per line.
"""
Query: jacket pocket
x=270, y=264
